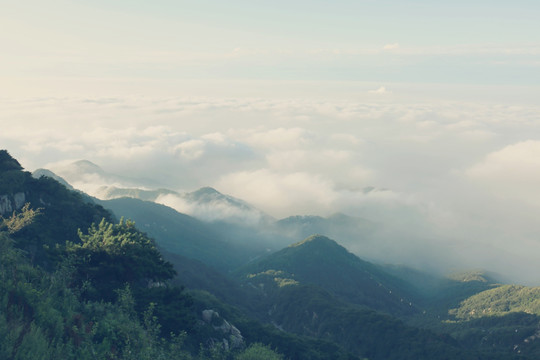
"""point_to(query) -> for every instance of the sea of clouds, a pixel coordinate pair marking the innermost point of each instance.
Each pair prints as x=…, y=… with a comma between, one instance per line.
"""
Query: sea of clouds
x=447, y=175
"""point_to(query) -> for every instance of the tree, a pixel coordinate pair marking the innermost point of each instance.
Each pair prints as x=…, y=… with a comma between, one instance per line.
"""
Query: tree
x=7, y=162
x=258, y=351
x=18, y=221
x=111, y=255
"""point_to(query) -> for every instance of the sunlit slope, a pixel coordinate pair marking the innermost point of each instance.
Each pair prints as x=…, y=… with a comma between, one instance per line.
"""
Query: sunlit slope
x=500, y=301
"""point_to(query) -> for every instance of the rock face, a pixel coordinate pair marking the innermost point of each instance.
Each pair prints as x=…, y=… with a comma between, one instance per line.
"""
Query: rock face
x=5, y=205
x=19, y=199
x=231, y=338
x=9, y=204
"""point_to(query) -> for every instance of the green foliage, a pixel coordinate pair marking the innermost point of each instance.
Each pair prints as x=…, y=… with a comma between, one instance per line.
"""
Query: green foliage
x=61, y=213
x=311, y=311
x=471, y=276
x=181, y=234
x=42, y=314
x=292, y=346
x=170, y=304
x=194, y=274
x=500, y=301
x=11, y=174
x=111, y=255
x=18, y=221
x=42, y=318
x=12, y=181
x=107, y=295
x=320, y=261
x=258, y=351
x=281, y=282
x=7, y=162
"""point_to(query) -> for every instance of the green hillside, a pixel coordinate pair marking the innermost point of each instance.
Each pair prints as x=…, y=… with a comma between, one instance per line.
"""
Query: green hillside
x=320, y=261
x=181, y=234
x=62, y=211
x=317, y=288
x=500, y=301
x=106, y=292
x=76, y=284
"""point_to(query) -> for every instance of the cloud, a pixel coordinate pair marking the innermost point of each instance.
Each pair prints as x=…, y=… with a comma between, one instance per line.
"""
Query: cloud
x=454, y=170
x=213, y=210
x=280, y=194
x=278, y=138
x=360, y=140
x=391, y=46
x=191, y=149
x=511, y=172
x=380, y=91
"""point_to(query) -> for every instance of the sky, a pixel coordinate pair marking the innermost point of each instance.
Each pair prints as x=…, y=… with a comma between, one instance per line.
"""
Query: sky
x=296, y=107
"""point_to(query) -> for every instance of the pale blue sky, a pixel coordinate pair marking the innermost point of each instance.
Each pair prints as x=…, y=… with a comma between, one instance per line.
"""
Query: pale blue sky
x=382, y=42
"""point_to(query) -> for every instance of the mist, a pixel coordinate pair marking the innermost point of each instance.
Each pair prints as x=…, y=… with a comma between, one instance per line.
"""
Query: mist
x=449, y=185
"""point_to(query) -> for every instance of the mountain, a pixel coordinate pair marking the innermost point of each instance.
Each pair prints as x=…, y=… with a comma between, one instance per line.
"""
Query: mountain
x=181, y=234
x=211, y=205
x=440, y=293
x=65, y=294
x=206, y=203
x=89, y=177
x=337, y=226
x=347, y=230
x=86, y=167
x=499, y=301
x=209, y=195
x=321, y=261
x=62, y=212
x=108, y=286
x=311, y=311
x=239, y=221
x=113, y=192
x=47, y=173
x=88, y=173
x=317, y=288
x=500, y=322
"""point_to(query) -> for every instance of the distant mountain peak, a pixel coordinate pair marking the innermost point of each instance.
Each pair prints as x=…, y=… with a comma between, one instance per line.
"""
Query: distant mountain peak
x=316, y=240
x=476, y=275
x=206, y=190
x=321, y=261
x=208, y=194
x=88, y=167
x=45, y=172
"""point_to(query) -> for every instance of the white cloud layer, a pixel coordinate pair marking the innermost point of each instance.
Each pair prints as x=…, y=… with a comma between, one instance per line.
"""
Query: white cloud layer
x=457, y=173
x=511, y=172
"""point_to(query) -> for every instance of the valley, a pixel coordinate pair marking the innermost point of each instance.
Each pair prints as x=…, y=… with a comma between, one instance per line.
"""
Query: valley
x=226, y=288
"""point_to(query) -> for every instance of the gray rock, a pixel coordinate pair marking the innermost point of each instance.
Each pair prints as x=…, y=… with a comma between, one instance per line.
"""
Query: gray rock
x=207, y=315
x=231, y=338
x=5, y=205
x=19, y=199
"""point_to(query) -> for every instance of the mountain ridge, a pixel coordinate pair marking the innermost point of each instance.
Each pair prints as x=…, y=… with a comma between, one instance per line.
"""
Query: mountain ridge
x=321, y=261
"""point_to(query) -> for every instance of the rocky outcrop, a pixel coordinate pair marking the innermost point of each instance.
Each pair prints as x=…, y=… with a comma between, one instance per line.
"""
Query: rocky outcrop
x=5, y=205
x=19, y=199
x=9, y=203
x=223, y=333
